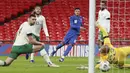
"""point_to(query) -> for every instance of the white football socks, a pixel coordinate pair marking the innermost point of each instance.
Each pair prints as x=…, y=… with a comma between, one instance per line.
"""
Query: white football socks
x=1, y=63
x=32, y=56
x=45, y=56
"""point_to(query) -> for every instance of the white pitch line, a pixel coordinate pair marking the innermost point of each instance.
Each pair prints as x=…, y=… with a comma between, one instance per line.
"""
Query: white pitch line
x=67, y=65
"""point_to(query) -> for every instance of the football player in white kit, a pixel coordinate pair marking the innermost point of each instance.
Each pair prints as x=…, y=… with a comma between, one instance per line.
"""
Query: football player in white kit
x=104, y=21
x=26, y=43
x=40, y=23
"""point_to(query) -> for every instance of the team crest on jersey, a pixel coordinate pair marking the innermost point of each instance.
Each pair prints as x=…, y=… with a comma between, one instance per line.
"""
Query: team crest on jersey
x=75, y=21
x=37, y=23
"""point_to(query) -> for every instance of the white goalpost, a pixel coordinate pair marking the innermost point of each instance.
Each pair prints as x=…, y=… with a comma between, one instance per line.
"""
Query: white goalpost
x=92, y=9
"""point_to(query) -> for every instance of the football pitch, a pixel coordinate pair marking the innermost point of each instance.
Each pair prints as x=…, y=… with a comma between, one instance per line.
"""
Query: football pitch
x=68, y=66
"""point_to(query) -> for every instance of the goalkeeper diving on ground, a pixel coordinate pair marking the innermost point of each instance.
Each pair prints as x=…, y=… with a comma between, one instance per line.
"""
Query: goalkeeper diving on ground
x=114, y=55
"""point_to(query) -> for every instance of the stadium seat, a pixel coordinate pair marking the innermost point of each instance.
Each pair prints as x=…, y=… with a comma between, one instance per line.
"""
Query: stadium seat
x=57, y=17
x=13, y=7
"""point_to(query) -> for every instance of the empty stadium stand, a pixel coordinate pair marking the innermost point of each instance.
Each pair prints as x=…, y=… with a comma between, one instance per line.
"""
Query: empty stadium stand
x=57, y=16
x=11, y=8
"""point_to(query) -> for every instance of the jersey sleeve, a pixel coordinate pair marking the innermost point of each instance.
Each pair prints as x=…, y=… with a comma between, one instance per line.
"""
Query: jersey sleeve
x=72, y=24
x=20, y=28
x=29, y=34
x=98, y=15
x=107, y=15
x=45, y=27
x=82, y=22
x=105, y=34
x=108, y=21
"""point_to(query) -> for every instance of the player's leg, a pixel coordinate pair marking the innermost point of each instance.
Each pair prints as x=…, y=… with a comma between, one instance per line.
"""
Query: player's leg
x=65, y=41
x=57, y=48
x=32, y=57
x=72, y=41
x=126, y=66
x=66, y=52
x=44, y=54
x=7, y=62
x=12, y=56
x=125, y=51
x=47, y=48
x=33, y=54
x=27, y=56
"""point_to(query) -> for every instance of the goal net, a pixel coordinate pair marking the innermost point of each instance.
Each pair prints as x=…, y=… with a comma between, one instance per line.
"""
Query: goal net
x=119, y=27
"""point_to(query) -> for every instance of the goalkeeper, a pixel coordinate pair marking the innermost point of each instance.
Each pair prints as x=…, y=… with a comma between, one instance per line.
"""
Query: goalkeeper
x=112, y=54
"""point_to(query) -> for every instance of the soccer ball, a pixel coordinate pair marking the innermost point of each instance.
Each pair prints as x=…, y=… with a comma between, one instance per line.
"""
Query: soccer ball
x=104, y=66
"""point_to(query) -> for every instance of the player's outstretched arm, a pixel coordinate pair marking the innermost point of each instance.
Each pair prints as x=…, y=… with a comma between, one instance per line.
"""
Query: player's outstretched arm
x=32, y=40
x=126, y=66
x=102, y=29
x=102, y=58
x=105, y=35
x=45, y=28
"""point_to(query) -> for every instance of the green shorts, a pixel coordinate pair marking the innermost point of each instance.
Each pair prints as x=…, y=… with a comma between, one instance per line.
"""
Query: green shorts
x=36, y=37
x=17, y=50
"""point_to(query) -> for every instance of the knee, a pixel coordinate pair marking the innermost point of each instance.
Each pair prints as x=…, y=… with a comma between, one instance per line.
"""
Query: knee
x=63, y=43
x=41, y=47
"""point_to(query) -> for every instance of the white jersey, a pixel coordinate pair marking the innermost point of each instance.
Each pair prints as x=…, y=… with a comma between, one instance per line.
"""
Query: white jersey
x=21, y=37
x=40, y=23
x=103, y=19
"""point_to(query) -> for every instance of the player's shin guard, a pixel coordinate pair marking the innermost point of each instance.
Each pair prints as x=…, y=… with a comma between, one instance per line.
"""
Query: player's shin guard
x=67, y=50
x=45, y=56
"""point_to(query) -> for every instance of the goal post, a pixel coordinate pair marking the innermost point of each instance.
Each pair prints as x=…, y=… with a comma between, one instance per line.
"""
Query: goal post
x=92, y=9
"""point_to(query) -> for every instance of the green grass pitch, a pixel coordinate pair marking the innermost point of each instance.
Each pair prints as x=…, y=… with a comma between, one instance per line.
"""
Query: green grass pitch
x=68, y=66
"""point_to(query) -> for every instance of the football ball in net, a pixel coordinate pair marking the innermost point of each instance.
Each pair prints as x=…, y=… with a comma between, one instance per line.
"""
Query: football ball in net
x=104, y=66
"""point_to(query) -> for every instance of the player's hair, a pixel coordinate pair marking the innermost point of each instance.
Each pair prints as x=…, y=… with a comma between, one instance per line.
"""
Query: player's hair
x=77, y=9
x=105, y=2
x=32, y=15
x=33, y=12
x=37, y=6
x=104, y=49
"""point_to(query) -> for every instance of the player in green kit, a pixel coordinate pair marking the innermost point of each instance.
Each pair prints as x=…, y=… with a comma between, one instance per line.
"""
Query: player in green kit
x=25, y=43
x=40, y=24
